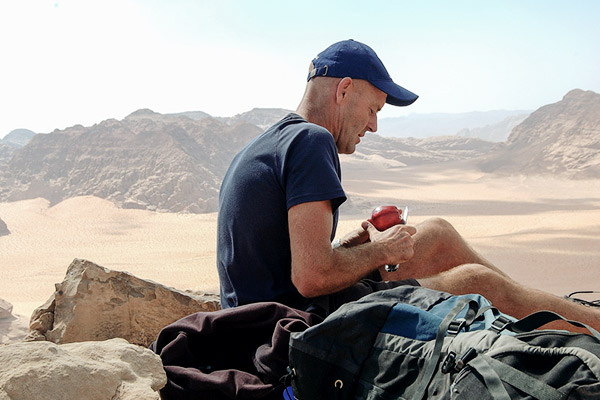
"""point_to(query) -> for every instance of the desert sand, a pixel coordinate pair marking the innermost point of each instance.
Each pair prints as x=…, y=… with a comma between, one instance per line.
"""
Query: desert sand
x=543, y=231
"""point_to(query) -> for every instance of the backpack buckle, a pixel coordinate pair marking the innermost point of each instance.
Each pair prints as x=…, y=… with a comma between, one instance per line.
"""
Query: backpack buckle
x=500, y=324
x=449, y=362
x=457, y=325
x=465, y=358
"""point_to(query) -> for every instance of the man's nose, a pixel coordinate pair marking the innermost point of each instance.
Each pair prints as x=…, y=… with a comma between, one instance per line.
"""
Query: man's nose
x=372, y=127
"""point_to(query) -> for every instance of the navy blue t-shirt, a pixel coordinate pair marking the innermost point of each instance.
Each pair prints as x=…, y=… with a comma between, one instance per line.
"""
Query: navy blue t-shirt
x=292, y=162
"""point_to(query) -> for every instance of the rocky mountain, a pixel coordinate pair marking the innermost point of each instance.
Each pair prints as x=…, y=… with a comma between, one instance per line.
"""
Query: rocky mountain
x=13, y=141
x=443, y=124
x=495, y=132
x=559, y=138
x=6, y=152
x=261, y=117
x=195, y=115
x=147, y=160
x=18, y=137
x=415, y=151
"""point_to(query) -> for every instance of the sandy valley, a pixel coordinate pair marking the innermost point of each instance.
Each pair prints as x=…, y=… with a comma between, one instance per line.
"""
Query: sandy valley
x=545, y=232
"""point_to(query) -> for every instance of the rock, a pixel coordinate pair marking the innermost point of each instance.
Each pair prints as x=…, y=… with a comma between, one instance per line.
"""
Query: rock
x=3, y=228
x=5, y=309
x=107, y=370
x=95, y=303
x=13, y=328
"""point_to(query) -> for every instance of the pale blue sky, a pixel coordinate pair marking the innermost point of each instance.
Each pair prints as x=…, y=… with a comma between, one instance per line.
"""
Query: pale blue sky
x=67, y=62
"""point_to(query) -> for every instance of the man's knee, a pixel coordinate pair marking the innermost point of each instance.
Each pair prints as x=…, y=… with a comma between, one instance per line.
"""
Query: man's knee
x=436, y=223
x=439, y=237
x=438, y=228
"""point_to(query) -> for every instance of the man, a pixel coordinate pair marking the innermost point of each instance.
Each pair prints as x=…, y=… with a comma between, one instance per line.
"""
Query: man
x=279, y=208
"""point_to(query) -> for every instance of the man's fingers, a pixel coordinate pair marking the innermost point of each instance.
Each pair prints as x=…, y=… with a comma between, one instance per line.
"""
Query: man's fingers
x=410, y=229
x=356, y=237
x=369, y=227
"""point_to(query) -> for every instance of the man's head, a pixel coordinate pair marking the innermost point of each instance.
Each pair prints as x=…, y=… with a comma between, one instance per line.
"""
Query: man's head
x=358, y=61
x=347, y=86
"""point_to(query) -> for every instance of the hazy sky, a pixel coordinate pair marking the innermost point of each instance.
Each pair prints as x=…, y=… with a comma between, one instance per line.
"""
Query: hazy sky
x=80, y=62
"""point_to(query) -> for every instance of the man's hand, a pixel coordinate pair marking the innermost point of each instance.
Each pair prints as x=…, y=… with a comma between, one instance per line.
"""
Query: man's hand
x=397, y=242
x=319, y=269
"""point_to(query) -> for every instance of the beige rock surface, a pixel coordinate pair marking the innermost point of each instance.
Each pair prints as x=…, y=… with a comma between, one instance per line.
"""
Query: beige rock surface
x=13, y=327
x=95, y=303
x=107, y=370
x=5, y=309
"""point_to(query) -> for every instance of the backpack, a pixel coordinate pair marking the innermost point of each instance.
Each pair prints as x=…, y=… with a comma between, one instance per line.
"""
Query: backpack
x=414, y=343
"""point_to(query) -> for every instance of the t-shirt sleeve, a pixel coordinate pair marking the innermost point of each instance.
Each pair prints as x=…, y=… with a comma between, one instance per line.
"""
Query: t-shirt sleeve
x=312, y=170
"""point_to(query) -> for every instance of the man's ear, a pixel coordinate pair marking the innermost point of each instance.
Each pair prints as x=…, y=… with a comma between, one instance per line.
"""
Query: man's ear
x=343, y=88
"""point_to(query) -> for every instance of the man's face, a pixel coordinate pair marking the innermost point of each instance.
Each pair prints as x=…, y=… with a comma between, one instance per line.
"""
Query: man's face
x=359, y=115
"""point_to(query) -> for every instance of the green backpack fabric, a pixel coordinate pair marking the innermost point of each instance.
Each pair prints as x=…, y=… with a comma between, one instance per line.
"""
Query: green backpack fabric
x=416, y=343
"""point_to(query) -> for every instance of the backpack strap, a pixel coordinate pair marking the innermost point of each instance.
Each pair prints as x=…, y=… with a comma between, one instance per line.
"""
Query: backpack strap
x=490, y=378
x=494, y=372
x=540, y=318
x=431, y=364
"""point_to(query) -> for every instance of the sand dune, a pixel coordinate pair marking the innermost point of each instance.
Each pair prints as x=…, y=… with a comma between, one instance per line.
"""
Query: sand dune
x=545, y=232
x=174, y=249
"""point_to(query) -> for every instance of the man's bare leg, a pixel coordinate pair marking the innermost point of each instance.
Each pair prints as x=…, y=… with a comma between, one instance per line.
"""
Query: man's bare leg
x=511, y=297
x=438, y=247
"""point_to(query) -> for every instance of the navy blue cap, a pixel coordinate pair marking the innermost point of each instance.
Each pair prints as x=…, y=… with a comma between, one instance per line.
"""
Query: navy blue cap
x=356, y=60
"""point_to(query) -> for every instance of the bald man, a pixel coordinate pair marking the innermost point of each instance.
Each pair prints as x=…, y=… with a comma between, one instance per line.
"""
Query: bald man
x=279, y=201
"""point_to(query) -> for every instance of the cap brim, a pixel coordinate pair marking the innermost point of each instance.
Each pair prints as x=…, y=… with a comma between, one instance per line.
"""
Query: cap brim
x=396, y=94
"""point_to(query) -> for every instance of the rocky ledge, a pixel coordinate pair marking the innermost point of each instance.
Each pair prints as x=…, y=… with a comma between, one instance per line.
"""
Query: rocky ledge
x=90, y=339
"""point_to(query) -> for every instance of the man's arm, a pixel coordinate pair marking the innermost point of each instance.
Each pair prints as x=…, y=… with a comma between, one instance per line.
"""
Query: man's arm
x=318, y=269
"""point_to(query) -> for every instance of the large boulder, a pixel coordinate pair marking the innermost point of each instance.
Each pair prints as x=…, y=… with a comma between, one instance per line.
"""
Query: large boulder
x=95, y=303
x=108, y=370
x=13, y=327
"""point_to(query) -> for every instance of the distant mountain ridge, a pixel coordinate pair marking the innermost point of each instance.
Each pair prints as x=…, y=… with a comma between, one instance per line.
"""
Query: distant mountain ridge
x=493, y=125
x=494, y=132
x=261, y=117
x=175, y=162
x=18, y=137
x=10, y=143
x=147, y=160
x=398, y=152
x=559, y=138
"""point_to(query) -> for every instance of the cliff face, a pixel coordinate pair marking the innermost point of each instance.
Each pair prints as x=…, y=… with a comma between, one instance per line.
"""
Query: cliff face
x=559, y=138
x=147, y=160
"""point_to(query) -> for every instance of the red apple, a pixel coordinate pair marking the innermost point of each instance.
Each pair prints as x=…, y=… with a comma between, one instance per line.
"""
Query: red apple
x=384, y=217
